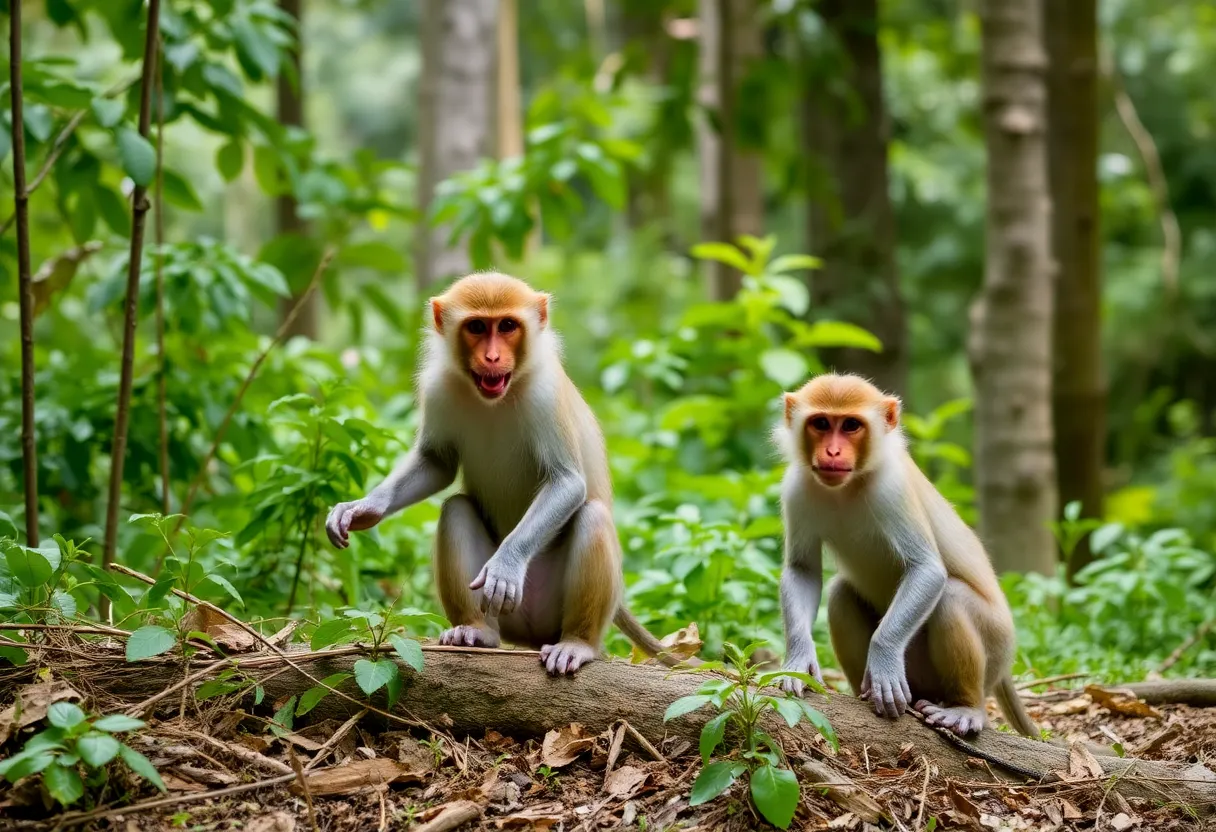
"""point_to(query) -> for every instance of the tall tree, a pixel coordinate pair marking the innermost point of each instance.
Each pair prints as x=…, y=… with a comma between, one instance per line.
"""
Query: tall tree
x=850, y=223
x=456, y=114
x=21, y=199
x=1011, y=325
x=1078, y=387
x=289, y=108
x=732, y=189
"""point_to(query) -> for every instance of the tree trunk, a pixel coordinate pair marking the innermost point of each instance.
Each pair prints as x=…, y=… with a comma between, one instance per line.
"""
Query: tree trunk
x=850, y=222
x=1011, y=328
x=25, y=289
x=470, y=690
x=290, y=113
x=456, y=115
x=1078, y=388
x=732, y=194
x=642, y=28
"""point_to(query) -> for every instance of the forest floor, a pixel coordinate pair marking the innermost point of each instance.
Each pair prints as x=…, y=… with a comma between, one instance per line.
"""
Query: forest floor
x=217, y=763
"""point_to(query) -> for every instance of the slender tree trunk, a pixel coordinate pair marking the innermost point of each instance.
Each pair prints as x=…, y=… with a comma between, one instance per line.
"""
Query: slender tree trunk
x=29, y=448
x=1078, y=388
x=139, y=212
x=289, y=110
x=649, y=190
x=731, y=178
x=456, y=115
x=158, y=223
x=850, y=224
x=1012, y=317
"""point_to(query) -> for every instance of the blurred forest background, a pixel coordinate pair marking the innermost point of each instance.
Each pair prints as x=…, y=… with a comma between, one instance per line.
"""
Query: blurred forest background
x=1011, y=212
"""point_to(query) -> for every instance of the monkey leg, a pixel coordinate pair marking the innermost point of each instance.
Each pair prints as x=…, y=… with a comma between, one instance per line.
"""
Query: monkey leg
x=948, y=667
x=851, y=624
x=591, y=591
x=462, y=547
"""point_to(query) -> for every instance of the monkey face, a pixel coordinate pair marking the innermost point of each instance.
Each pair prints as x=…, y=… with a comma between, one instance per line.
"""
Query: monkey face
x=492, y=346
x=837, y=446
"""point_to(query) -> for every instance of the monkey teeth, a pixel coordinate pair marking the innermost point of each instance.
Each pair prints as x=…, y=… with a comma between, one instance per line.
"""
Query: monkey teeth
x=491, y=386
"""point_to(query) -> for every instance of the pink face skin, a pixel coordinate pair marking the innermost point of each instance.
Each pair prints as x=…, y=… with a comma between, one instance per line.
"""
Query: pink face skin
x=836, y=443
x=491, y=345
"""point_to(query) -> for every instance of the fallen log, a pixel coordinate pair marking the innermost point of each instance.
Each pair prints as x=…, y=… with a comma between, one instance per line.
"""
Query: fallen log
x=470, y=690
x=1198, y=693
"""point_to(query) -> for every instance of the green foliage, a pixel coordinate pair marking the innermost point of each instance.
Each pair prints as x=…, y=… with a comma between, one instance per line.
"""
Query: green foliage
x=740, y=702
x=73, y=743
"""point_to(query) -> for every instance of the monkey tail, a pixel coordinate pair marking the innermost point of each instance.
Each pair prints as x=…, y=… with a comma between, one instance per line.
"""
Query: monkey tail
x=640, y=636
x=1015, y=711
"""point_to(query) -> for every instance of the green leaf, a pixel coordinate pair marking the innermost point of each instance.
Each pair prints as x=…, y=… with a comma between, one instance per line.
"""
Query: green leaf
x=775, y=793
x=63, y=603
x=714, y=779
x=822, y=724
x=409, y=650
x=226, y=585
x=794, y=262
x=117, y=723
x=786, y=367
x=1103, y=536
x=142, y=766
x=685, y=705
x=712, y=733
x=64, y=715
x=109, y=111
x=722, y=253
x=29, y=566
x=149, y=641
x=230, y=160
x=284, y=718
x=330, y=632
x=789, y=709
x=373, y=254
x=114, y=210
x=839, y=334
x=26, y=763
x=266, y=169
x=137, y=156
x=97, y=749
x=8, y=528
x=792, y=293
x=311, y=697
x=215, y=687
x=63, y=784
x=179, y=191
x=371, y=676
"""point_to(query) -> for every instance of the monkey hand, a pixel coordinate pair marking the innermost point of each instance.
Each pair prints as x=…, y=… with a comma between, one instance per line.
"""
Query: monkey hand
x=803, y=663
x=502, y=583
x=354, y=516
x=886, y=683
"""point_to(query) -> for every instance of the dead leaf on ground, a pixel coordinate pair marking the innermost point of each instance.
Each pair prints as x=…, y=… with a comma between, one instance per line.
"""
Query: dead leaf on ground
x=563, y=745
x=31, y=705
x=682, y=644
x=1122, y=702
x=226, y=634
x=842, y=791
x=1122, y=821
x=539, y=818
x=414, y=754
x=178, y=784
x=1071, y=812
x=625, y=781
x=1069, y=707
x=356, y=776
x=961, y=802
x=1082, y=764
x=277, y=822
x=452, y=815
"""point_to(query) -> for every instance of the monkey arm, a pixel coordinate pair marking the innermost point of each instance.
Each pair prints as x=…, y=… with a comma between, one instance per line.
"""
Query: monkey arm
x=423, y=472
x=801, y=591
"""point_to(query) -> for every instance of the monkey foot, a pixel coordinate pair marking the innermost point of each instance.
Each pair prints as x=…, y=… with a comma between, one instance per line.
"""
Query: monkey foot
x=960, y=720
x=566, y=656
x=466, y=635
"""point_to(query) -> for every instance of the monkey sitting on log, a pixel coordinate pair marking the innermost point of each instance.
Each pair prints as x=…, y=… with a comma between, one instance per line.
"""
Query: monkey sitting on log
x=529, y=551
x=915, y=615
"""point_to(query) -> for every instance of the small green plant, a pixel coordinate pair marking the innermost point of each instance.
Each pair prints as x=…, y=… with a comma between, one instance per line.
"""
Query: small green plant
x=437, y=749
x=548, y=777
x=74, y=743
x=1072, y=528
x=741, y=702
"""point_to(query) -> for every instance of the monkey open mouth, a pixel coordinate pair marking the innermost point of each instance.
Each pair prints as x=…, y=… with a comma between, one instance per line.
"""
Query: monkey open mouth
x=491, y=386
x=834, y=473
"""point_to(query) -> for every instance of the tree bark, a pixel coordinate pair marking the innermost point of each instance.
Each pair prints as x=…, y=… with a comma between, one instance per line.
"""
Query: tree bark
x=642, y=28
x=456, y=115
x=1011, y=328
x=25, y=290
x=1078, y=387
x=289, y=109
x=139, y=213
x=471, y=690
x=732, y=194
x=850, y=223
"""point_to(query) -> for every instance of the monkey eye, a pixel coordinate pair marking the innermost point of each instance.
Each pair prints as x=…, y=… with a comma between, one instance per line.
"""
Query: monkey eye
x=850, y=425
x=507, y=325
x=476, y=327
x=821, y=423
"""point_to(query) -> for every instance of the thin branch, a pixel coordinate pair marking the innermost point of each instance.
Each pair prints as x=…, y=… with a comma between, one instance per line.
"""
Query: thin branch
x=1171, y=252
x=1200, y=632
x=91, y=629
x=139, y=210
x=25, y=286
x=158, y=219
x=335, y=738
x=279, y=335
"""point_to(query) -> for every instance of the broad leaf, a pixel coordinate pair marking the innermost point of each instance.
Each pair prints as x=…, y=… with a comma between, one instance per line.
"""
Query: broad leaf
x=148, y=641
x=821, y=723
x=330, y=632
x=117, y=723
x=775, y=793
x=712, y=733
x=137, y=156
x=64, y=715
x=97, y=749
x=794, y=262
x=29, y=566
x=714, y=779
x=409, y=650
x=685, y=705
x=142, y=766
x=789, y=709
x=723, y=253
x=63, y=784
x=371, y=676
x=312, y=696
x=785, y=367
x=839, y=334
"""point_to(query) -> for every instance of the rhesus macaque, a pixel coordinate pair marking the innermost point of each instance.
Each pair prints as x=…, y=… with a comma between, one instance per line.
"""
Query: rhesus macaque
x=915, y=615
x=529, y=551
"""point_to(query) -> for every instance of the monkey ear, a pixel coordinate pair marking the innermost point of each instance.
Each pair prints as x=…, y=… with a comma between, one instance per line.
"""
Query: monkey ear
x=789, y=408
x=542, y=308
x=437, y=314
x=890, y=412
